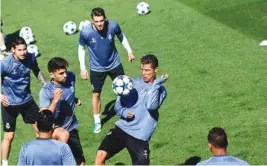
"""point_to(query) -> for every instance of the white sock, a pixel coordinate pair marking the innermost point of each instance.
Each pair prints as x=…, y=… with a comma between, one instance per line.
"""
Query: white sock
x=4, y=162
x=97, y=118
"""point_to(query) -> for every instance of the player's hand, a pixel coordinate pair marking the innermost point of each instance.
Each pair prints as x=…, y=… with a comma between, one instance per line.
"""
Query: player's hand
x=84, y=74
x=161, y=79
x=77, y=101
x=4, y=100
x=57, y=95
x=131, y=57
x=130, y=115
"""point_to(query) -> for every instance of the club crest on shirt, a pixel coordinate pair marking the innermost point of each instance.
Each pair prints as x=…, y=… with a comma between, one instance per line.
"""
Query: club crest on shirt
x=110, y=37
x=7, y=126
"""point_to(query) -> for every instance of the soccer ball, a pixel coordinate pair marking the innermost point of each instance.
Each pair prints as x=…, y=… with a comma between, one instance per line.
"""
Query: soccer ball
x=33, y=49
x=69, y=28
x=26, y=34
x=83, y=24
x=143, y=8
x=122, y=85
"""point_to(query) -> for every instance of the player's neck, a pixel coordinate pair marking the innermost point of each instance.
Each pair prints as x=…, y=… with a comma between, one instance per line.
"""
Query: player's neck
x=219, y=152
x=45, y=134
x=55, y=82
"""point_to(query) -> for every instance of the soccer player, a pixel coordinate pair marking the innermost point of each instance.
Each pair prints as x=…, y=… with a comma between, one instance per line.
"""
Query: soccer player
x=2, y=38
x=217, y=142
x=104, y=57
x=139, y=116
x=16, y=97
x=44, y=150
x=59, y=97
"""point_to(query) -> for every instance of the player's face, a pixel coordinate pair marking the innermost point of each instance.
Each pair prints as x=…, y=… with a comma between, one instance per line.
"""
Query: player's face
x=19, y=51
x=59, y=76
x=148, y=73
x=99, y=22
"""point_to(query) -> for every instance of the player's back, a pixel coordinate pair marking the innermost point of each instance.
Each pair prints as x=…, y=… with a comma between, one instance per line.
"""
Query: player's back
x=223, y=160
x=43, y=151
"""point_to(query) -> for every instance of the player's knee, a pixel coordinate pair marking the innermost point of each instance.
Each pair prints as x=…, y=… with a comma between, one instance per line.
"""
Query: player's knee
x=100, y=157
x=9, y=136
x=61, y=135
x=96, y=94
x=141, y=160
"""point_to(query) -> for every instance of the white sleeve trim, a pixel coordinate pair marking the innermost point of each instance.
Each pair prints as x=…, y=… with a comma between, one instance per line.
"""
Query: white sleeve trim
x=126, y=45
x=81, y=55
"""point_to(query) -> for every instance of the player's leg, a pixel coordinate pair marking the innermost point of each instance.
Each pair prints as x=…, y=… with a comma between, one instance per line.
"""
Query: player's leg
x=97, y=80
x=116, y=72
x=9, y=116
x=138, y=150
x=30, y=114
x=61, y=134
x=113, y=143
x=76, y=147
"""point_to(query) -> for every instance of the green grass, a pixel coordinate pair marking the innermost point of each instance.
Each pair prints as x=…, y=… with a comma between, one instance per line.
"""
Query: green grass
x=209, y=48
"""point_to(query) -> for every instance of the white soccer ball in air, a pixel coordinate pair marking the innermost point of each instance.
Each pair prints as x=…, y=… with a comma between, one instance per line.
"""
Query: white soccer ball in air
x=26, y=34
x=122, y=85
x=69, y=28
x=83, y=24
x=143, y=8
x=33, y=49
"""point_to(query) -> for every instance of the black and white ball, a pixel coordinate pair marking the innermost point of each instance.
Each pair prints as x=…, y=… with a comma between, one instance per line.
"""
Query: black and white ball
x=69, y=28
x=143, y=8
x=27, y=34
x=33, y=49
x=122, y=85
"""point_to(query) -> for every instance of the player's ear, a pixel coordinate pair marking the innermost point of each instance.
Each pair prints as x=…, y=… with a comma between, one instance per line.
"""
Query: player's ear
x=52, y=75
x=12, y=49
x=156, y=69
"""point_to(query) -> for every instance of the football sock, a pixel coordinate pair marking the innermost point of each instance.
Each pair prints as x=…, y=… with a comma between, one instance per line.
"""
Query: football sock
x=4, y=162
x=97, y=118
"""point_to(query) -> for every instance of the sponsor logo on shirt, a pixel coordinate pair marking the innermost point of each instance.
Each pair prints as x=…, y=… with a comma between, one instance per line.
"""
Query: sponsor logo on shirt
x=93, y=40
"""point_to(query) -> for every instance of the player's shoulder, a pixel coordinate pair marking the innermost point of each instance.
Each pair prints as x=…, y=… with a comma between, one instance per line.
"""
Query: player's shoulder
x=112, y=24
x=71, y=75
x=239, y=161
x=87, y=29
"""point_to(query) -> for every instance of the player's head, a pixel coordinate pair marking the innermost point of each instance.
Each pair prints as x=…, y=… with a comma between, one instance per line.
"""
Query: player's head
x=19, y=48
x=149, y=67
x=98, y=18
x=217, y=139
x=57, y=67
x=45, y=122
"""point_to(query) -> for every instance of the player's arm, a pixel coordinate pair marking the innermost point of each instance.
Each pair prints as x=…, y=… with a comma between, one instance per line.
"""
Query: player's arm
x=46, y=102
x=124, y=42
x=67, y=156
x=3, y=98
x=157, y=94
x=37, y=72
x=22, y=158
x=122, y=111
x=81, y=55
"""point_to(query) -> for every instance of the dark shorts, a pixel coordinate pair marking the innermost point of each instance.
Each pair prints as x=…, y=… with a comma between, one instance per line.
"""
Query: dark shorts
x=97, y=79
x=76, y=147
x=29, y=112
x=117, y=139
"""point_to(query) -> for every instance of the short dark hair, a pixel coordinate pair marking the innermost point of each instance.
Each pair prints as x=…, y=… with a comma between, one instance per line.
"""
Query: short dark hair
x=217, y=137
x=98, y=12
x=45, y=121
x=18, y=41
x=150, y=59
x=57, y=63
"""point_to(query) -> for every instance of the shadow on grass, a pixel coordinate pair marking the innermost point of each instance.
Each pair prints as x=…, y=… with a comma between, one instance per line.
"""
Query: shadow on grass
x=191, y=161
x=109, y=112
